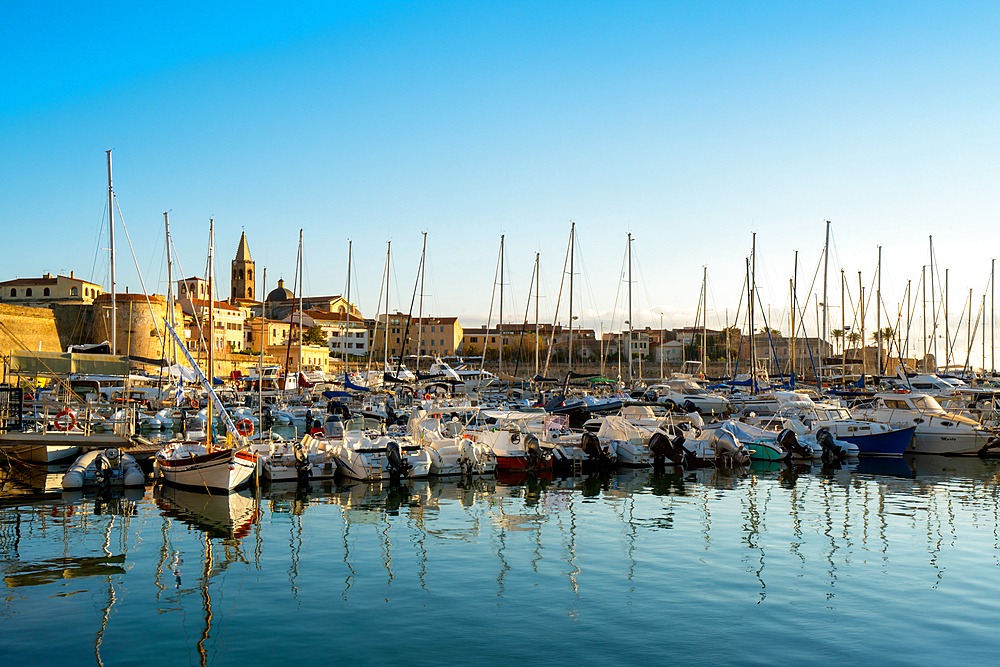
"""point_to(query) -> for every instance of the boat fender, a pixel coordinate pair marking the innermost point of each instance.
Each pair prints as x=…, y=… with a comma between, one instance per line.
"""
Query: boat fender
x=70, y=423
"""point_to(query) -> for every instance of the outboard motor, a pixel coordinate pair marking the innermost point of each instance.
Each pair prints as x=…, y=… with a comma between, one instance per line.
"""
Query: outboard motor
x=397, y=464
x=104, y=465
x=591, y=445
x=532, y=449
x=664, y=449
x=832, y=452
x=790, y=443
x=302, y=464
x=266, y=418
x=989, y=450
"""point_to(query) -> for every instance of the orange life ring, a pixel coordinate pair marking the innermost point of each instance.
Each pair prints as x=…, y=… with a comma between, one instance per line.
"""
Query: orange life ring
x=244, y=427
x=427, y=397
x=58, y=424
x=902, y=391
x=194, y=403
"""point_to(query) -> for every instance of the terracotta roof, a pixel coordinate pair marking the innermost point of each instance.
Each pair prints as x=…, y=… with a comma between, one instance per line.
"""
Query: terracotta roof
x=203, y=303
x=30, y=281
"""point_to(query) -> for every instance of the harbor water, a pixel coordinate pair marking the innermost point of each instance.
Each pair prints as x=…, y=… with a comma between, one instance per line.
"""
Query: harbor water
x=891, y=562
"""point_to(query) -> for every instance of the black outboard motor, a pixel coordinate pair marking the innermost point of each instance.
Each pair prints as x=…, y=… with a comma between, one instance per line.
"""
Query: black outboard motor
x=591, y=445
x=793, y=448
x=396, y=463
x=266, y=419
x=302, y=464
x=533, y=451
x=663, y=450
x=989, y=450
x=105, y=469
x=832, y=452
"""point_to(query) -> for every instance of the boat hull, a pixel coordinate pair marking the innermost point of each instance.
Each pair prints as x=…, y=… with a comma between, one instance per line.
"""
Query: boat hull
x=222, y=470
x=889, y=443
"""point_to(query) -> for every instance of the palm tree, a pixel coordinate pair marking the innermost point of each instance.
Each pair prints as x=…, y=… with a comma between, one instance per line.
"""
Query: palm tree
x=838, y=335
x=854, y=338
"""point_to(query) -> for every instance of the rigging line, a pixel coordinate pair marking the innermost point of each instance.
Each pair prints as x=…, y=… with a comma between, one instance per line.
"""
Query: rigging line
x=586, y=279
x=142, y=283
x=562, y=280
x=489, y=318
x=97, y=242
x=643, y=282
x=524, y=325
x=385, y=333
x=618, y=292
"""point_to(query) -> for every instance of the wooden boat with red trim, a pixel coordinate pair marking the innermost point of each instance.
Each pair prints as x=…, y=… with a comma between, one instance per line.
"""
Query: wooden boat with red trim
x=197, y=466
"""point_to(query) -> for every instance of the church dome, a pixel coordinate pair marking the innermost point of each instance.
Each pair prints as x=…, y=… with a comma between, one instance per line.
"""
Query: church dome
x=280, y=293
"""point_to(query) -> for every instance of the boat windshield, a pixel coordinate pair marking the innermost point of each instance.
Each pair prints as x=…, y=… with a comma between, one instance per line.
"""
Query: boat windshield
x=362, y=424
x=926, y=404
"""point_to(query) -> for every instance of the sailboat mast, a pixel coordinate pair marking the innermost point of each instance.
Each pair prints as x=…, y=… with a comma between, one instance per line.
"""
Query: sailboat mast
x=210, y=433
x=826, y=265
x=347, y=309
x=260, y=358
x=934, y=319
x=385, y=336
x=170, y=286
x=704, y=319
x=500, y=358
x=572, y=252
x=878, y=311
x=630, y=343
x=753, y=291
x=795, y=287
x=947, y=329
x=111, y=232
x=843, y=332
x=420, y=307
x=298, y=364
x=536, y=312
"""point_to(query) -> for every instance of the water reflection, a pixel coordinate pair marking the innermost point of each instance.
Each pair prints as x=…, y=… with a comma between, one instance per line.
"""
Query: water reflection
x=577, y=547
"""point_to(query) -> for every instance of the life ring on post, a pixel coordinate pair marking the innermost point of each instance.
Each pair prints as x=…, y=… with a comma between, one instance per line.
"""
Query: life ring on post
x=194, y=403
x=68, y=425
x=244, y=427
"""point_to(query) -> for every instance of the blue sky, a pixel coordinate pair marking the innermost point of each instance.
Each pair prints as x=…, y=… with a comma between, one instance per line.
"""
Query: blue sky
x=690, y=125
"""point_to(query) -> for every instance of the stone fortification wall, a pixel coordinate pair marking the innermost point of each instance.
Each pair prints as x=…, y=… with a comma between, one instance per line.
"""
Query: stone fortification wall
x=28, y=328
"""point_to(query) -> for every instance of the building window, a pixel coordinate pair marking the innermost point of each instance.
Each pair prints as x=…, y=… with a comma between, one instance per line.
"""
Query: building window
x=442, y=341
x=13, y=292
x=474, y=339
x=46, y=292
x=27, y=292
x=249, y=274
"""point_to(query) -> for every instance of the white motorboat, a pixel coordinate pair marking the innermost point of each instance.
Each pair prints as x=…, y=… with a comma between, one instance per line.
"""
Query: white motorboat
x=937, y=431
x=366, y=453
x=110, y=467
x=306, y=459
x=451, y=451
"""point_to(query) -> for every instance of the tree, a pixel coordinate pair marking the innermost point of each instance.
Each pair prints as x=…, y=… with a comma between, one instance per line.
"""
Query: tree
x=314, y=336
x=838, y=335
x=854, y=338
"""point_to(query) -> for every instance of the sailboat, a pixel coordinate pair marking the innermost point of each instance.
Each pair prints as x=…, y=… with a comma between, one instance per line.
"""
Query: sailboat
x=202, y=465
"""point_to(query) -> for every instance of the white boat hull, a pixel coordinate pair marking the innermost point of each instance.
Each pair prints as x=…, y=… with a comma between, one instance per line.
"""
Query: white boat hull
x=189, y=464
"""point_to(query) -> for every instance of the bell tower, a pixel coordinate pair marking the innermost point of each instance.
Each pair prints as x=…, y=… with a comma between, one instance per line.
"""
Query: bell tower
x=243, y=270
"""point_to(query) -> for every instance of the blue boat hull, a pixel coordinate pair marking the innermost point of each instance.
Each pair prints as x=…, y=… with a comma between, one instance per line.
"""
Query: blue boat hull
x=891, y=443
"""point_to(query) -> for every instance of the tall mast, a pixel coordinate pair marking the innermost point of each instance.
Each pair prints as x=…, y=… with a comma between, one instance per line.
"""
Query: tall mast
x=210, y=437
x=111, y=231
x=947, y=329
x=826, y=264
x=923, y=280
x=753, y=380
x=385, y=337
x=298, y=365
x=861, y=307
x=420, y=308
x=704, y=319
x=500, y=358
x=572, y=252
x=878, y=311
x=536, y=312
x=260, y=359
x=170, y=287
x=630, y=343
x=347, y=310
x=795, y=288
x=843, y=332
x=934, y=319
x=993, y=320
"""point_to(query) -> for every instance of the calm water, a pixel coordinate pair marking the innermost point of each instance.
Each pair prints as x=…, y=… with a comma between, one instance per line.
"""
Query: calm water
x=890, y=563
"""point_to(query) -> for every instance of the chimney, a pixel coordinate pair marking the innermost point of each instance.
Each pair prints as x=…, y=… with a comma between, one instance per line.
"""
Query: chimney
x=70, y=274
